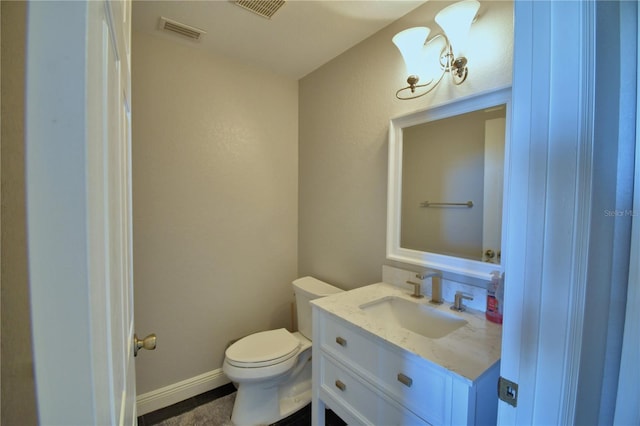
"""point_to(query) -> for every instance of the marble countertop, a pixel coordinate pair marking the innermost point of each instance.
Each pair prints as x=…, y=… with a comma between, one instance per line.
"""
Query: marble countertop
x=467, y=352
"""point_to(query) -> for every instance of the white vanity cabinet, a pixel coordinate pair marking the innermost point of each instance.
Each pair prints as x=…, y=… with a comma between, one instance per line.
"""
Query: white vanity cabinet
x=366, y=380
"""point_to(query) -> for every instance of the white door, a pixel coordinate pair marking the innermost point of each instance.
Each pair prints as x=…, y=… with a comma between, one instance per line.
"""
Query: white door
x=79, y=210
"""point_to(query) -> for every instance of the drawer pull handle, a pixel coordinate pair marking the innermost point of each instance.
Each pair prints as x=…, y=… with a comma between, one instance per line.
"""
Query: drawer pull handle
x=341, y=341
x=405, y=380
x=340, y=385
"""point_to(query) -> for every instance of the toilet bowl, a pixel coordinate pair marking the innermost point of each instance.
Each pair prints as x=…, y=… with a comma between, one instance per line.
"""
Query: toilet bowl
x=272, y=369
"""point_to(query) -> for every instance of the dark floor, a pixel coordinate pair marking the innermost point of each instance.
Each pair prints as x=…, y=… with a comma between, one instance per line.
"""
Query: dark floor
x=181, y=407
x=301, y=418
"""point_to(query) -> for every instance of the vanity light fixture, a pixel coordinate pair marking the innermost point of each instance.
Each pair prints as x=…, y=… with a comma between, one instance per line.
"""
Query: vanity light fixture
x=455, y=20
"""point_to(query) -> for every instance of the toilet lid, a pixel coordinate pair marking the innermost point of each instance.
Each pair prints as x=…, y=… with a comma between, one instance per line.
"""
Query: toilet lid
x=263, y=348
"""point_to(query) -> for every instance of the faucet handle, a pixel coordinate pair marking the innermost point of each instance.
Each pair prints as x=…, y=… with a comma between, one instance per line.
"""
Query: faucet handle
x=457, y=301
x=416, y=289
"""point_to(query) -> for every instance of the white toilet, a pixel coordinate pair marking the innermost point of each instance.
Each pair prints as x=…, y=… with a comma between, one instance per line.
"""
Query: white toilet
x=272, y=368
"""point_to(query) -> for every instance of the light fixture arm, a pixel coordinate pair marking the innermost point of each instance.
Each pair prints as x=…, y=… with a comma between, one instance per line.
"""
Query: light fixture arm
x=457, y=67
x=413, y=87
x=412, y=80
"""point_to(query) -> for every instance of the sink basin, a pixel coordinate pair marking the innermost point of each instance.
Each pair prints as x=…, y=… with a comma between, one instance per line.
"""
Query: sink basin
x=417, y=317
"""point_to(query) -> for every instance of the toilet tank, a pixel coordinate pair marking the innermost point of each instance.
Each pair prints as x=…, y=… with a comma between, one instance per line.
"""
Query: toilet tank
x=305, y=290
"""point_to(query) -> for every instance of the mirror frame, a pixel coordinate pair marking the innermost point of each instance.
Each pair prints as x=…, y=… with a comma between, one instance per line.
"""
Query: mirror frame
x=440, y=262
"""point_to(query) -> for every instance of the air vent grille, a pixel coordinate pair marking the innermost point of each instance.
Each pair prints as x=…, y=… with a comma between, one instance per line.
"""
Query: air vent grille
x=264, y=8
x=181, y=29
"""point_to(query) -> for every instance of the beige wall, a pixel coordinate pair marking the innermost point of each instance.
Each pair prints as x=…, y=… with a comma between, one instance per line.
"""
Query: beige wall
x=18, y=391
x=345, y=107
x=215, y=187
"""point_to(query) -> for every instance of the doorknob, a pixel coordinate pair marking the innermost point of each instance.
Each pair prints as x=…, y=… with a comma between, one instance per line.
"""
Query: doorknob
x=148, y=343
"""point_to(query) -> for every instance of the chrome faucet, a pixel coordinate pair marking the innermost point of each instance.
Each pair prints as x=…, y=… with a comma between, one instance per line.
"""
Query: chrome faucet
x=436, y=286
x=457, y=302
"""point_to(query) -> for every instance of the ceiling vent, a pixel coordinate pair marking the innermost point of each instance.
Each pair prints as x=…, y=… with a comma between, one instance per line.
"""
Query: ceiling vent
x=184, y=30
x=264, y=8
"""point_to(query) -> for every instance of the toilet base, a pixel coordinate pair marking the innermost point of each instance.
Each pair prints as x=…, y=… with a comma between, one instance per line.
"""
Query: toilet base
x=266, y=403
x=296, y=394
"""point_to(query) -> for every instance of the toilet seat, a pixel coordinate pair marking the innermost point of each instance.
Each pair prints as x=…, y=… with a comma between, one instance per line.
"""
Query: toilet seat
x=263, y=349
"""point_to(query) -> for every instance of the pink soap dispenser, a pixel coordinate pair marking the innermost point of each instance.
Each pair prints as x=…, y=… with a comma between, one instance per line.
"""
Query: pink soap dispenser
x=495, y=296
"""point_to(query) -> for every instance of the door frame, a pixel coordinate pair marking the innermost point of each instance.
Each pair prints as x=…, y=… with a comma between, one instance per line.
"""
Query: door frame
x=627, y=411
x=554, y=208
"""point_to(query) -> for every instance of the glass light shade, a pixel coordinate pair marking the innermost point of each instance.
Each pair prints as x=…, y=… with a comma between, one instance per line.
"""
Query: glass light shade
x=432, y=51
x=410, y=43
x=456, y=20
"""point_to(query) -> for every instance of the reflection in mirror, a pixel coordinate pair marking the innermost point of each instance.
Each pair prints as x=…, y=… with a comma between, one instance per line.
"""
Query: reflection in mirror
x=452, y=176
x=446, y=168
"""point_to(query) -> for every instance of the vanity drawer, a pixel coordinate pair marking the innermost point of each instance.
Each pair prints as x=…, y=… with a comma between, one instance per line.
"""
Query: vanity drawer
x=347, y=344
x=357, y=396
x=420, y=387
x=415, y=383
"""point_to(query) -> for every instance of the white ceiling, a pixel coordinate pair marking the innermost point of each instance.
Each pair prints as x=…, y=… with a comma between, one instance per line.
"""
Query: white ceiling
x=300, y=37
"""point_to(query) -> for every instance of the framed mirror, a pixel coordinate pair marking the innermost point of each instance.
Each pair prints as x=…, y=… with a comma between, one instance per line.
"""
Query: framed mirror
x=446, y=185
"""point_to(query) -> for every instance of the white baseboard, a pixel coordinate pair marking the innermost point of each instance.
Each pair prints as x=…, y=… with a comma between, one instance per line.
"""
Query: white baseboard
x=180, y=391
